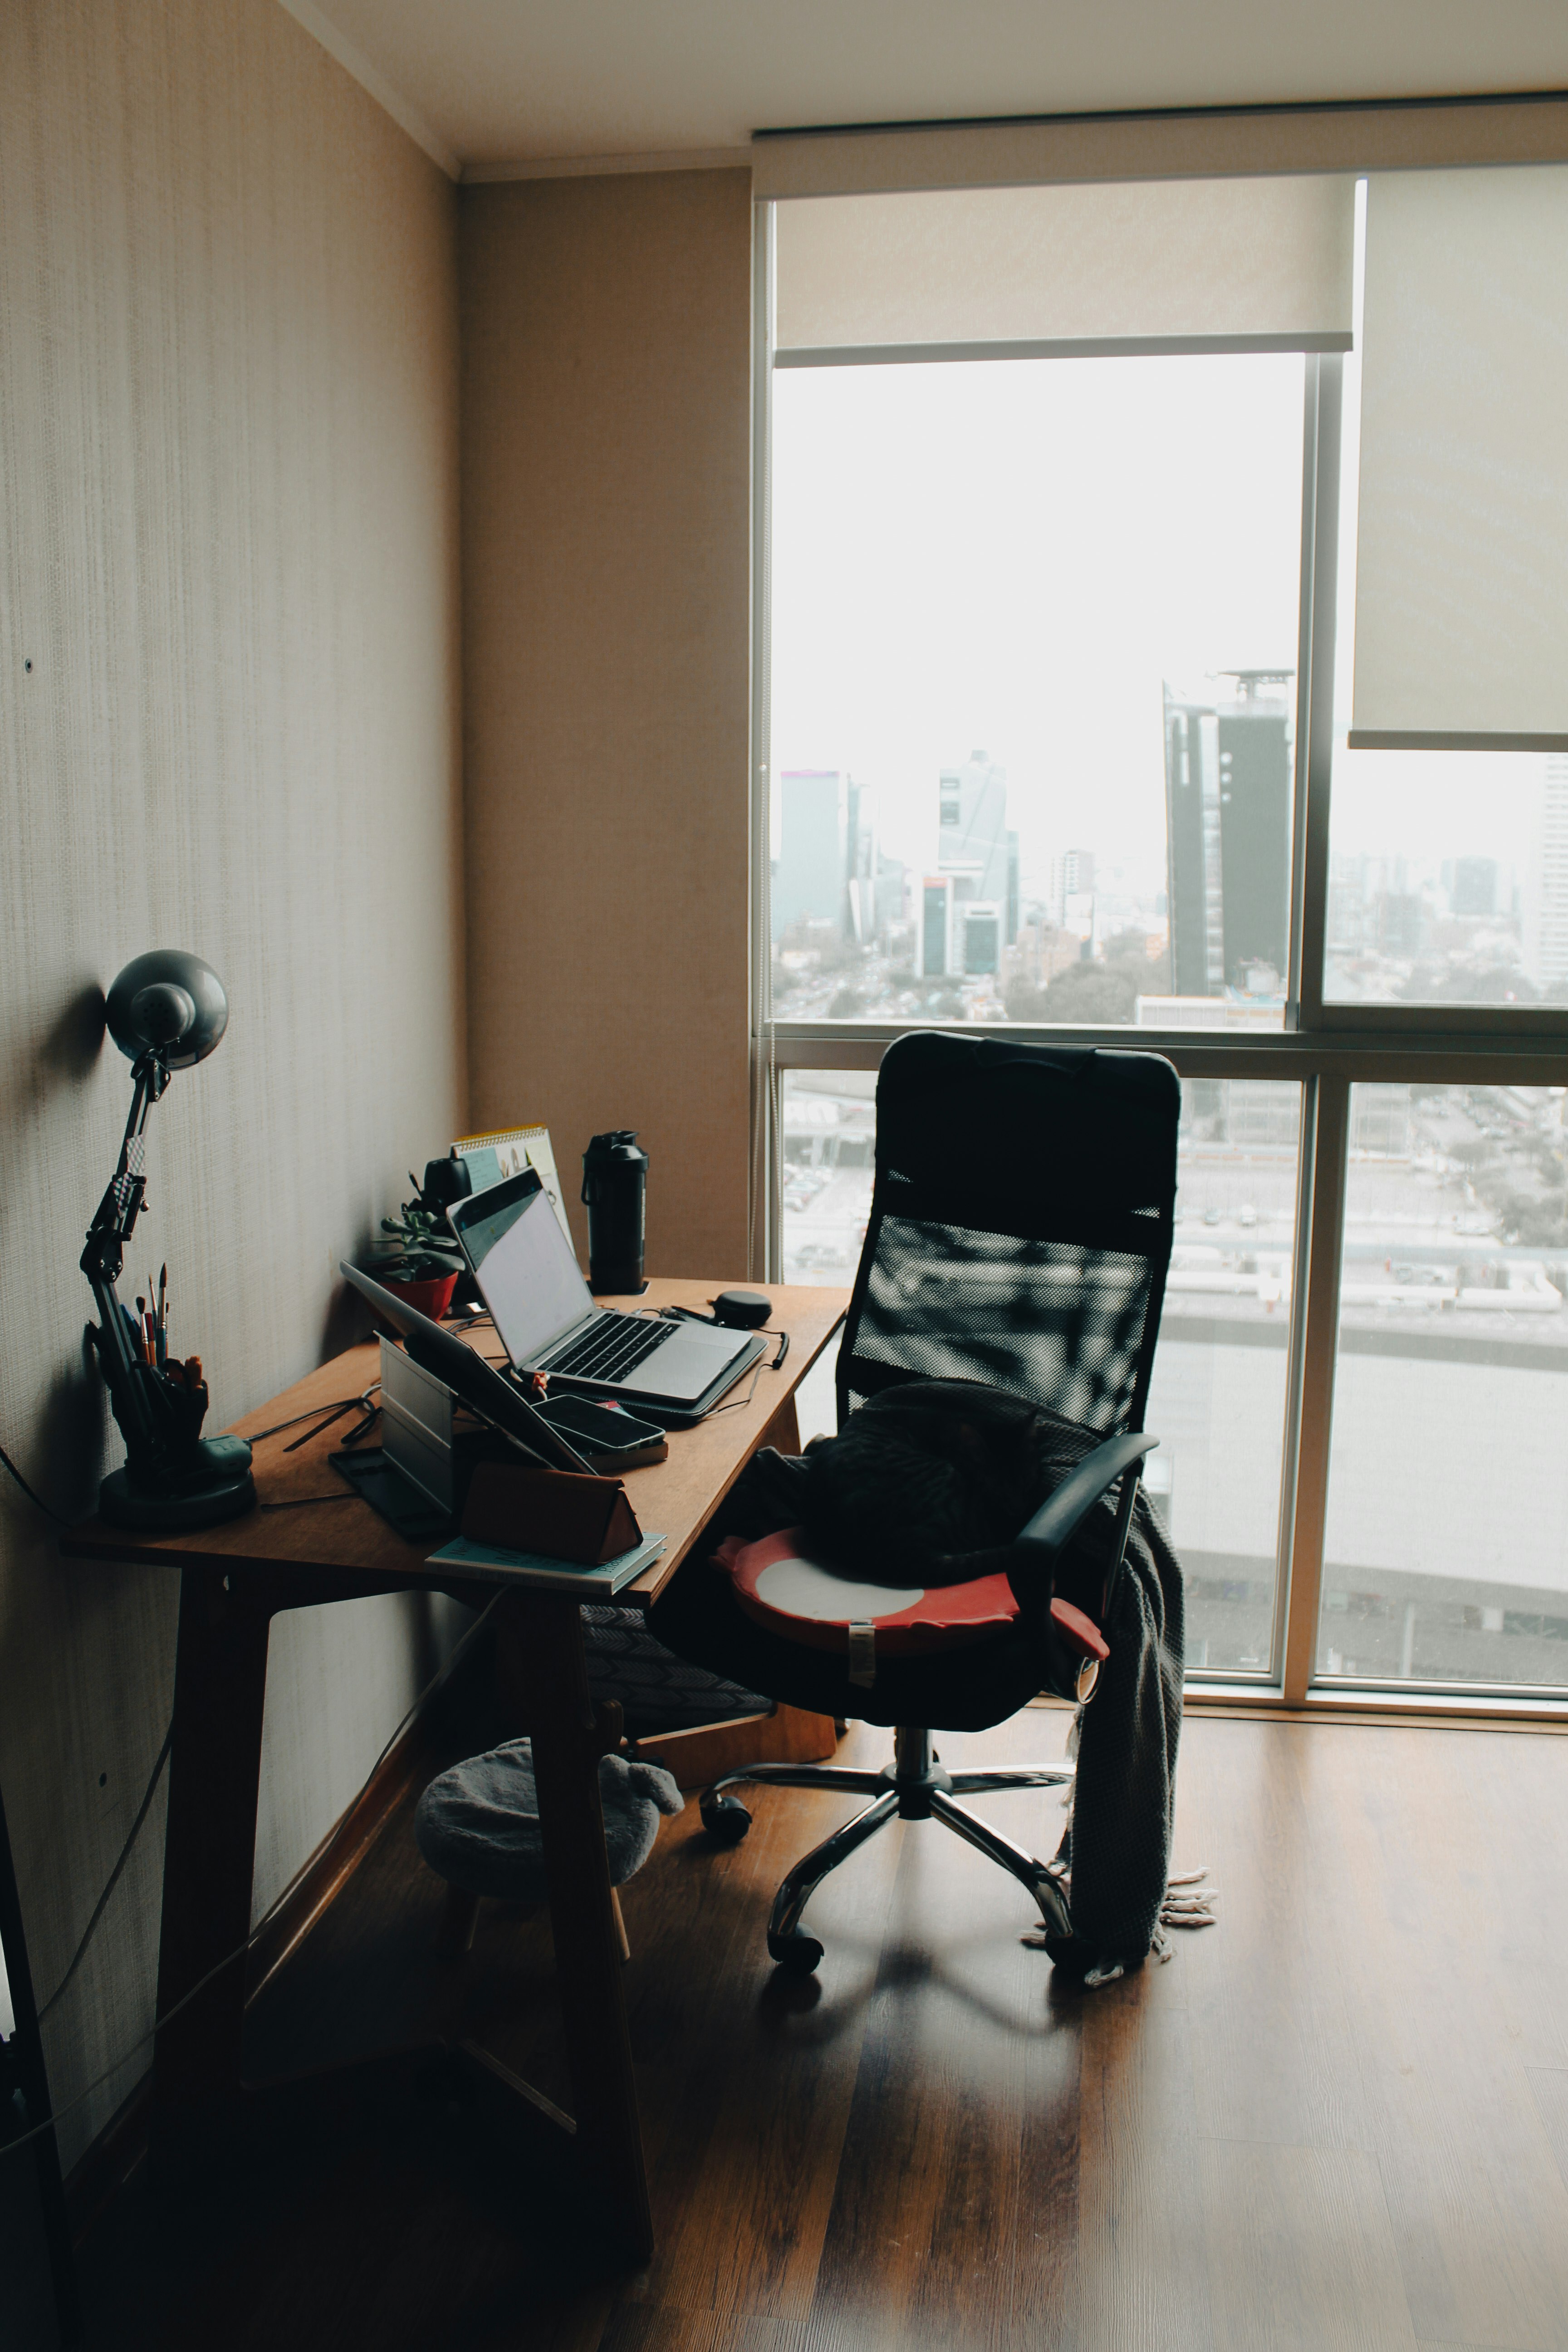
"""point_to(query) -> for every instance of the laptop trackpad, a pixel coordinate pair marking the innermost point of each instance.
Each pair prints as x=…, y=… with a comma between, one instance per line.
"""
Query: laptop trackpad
x=686, y=1364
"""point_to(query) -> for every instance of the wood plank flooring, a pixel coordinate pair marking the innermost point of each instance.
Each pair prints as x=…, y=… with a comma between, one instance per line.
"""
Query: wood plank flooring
x=1338, y=2119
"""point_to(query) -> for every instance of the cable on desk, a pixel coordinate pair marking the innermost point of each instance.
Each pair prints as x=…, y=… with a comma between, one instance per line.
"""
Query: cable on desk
x=325, y=1413
x=736, y=1404
x=341, y=1404
x=266, y=1919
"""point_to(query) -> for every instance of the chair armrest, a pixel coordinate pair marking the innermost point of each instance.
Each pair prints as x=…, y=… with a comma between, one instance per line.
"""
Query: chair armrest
x=1056, y=1521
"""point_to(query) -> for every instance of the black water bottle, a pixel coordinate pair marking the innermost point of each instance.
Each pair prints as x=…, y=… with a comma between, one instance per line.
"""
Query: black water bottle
x=614, y=1186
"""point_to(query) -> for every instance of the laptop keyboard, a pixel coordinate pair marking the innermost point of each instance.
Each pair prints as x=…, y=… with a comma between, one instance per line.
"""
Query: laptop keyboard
x=613, y=1348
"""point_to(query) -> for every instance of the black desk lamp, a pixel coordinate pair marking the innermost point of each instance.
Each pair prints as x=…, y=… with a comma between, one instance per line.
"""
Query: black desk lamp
x=166, y=1012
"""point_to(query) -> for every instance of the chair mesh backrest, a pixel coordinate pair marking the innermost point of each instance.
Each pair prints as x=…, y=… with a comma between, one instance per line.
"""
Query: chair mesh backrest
x=1020, y=1226
x=1051, y=1319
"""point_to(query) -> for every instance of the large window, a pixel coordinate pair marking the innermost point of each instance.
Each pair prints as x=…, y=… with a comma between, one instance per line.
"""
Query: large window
x=1447, y=1552
x=1033, y=688
x=1152, y=649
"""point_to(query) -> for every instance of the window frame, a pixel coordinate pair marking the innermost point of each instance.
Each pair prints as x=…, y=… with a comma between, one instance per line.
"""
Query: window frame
x=1326, y=1047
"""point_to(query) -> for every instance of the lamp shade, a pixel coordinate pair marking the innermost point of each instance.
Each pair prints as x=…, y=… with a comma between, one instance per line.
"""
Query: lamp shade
x=169, y=1002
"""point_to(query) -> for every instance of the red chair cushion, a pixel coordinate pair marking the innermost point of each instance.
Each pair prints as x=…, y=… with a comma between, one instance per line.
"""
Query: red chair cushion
x=789, y=1588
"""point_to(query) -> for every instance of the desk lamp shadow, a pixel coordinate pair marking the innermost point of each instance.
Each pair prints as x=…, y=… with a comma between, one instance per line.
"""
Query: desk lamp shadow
x=166, y=1012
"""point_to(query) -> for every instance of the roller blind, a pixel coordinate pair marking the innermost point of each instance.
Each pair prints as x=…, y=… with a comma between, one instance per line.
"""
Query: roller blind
x=1461, y=608
x=1181, y=144
x=1255, y=265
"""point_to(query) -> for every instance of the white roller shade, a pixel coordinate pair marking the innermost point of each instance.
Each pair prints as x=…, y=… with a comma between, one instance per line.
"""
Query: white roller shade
x=1461, y=609
x=1231, y=264
x=1194, y=143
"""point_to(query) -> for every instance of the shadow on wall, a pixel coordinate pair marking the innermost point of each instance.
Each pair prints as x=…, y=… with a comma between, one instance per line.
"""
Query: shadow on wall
x=348, y=1319
x=73, y=1434
x=70, y=1047
x=64, y=1055
x=70, y=1432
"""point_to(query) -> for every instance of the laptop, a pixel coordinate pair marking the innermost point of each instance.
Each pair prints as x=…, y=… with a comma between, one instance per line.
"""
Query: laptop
x=547, y=1321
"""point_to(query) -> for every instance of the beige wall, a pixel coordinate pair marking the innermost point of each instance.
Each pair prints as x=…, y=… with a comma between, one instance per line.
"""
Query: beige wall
x=605, y=537
x=228, y=387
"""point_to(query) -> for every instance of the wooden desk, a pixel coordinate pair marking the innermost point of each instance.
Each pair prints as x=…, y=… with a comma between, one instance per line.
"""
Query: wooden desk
x=236, y=1577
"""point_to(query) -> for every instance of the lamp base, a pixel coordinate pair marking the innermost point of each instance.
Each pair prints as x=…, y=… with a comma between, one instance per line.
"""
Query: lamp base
x=217, y=1486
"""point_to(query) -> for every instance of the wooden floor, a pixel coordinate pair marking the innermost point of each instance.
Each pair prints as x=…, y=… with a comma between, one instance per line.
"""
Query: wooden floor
x=1339, y=2118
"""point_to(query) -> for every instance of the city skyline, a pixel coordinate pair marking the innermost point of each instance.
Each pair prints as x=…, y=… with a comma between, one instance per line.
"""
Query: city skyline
x=1027, y=557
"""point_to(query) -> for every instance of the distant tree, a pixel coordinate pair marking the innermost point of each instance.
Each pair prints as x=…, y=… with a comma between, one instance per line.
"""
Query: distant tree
x=1091, y=992
x=1024, y=1000
x=847, y=1004
x=1131, y=948
x=1502, y=984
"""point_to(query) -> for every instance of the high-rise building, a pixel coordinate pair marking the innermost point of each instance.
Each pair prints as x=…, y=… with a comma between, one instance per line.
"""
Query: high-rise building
x=981, y=922
x=1078, y=873
x=860, y=867
x=1475, y=885
x=971, y=828
x=1227, y=807
x=935, y=941
x=892, y=891
x=828, y=871
x=814, y=851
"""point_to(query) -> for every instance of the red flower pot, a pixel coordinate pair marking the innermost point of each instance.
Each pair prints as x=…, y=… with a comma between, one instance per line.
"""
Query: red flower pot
x=431, y=1299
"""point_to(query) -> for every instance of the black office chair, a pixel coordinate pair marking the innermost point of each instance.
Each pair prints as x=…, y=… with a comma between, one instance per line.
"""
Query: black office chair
x=1020, y=1232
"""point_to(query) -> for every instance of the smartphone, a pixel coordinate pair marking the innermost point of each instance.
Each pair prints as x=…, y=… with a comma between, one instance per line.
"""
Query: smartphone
x=602, y=1433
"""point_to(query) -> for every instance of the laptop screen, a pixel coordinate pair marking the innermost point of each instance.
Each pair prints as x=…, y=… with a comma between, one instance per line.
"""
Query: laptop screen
x=523, y=1264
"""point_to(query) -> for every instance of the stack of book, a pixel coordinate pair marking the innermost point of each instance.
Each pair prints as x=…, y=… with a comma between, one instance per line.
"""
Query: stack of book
x=593, y=1580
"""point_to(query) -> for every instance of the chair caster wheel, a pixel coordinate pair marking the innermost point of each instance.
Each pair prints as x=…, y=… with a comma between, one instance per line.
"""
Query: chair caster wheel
x=796, y=1954
x=725, y=1819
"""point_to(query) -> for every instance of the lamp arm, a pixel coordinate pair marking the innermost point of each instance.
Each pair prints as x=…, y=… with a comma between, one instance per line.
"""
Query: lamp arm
x=115, y=1220
x=102, y=1259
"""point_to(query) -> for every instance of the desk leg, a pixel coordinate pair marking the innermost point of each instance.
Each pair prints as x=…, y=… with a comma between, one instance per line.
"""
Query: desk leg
x=542, y=1648
x=783, y=1430
x=215, y=1775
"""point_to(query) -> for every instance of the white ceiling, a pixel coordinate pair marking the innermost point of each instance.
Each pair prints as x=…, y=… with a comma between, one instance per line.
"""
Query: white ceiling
x=498, y=81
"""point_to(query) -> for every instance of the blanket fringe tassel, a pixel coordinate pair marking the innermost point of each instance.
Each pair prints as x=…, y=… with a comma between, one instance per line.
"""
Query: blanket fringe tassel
x=1190, y=1902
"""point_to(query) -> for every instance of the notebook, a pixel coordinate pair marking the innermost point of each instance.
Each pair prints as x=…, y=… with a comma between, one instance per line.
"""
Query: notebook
x=537, y=1568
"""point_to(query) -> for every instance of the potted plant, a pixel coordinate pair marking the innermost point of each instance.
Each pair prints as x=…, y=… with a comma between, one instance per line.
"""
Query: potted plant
x=427, y=1260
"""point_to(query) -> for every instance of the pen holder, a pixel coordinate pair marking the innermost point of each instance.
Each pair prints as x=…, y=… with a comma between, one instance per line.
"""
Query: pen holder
x=180, y=1403
x=176, y=1479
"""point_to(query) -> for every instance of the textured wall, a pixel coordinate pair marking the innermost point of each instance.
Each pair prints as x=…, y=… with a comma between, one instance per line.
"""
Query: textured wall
x=228, y=386
x=605, y=552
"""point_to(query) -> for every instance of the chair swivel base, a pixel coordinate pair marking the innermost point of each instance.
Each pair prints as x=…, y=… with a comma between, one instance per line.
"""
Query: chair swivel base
x=915, y=1786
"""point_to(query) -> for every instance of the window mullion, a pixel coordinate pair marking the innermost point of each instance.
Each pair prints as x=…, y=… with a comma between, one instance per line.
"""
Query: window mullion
x=1323, y=1224
x=1315, y=757
x=765, y=1247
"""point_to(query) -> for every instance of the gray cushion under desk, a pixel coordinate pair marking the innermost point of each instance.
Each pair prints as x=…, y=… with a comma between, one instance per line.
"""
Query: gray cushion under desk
x=477, y=1824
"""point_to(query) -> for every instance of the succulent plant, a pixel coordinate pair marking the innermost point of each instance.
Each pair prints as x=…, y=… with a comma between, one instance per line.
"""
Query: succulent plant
x=427, y=1248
